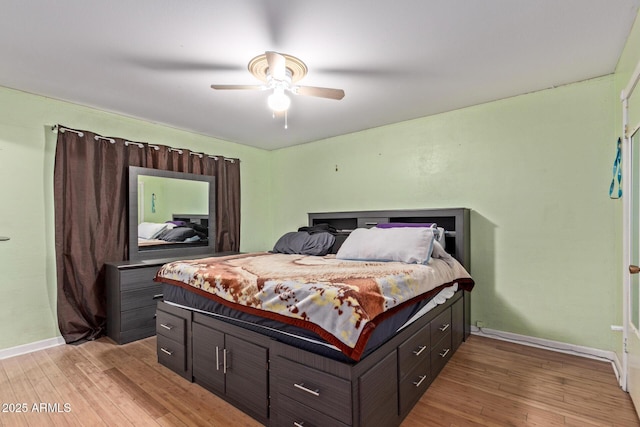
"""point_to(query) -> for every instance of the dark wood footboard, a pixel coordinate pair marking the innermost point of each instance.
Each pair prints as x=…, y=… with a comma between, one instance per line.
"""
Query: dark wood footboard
x=281, y=385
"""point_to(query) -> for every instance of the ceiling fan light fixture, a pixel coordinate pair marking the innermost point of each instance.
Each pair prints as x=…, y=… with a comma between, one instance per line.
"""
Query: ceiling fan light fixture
x=278, y=101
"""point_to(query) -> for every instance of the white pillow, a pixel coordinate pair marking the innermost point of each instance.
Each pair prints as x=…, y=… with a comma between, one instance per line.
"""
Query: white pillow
x=412, y=245
x=150, y=230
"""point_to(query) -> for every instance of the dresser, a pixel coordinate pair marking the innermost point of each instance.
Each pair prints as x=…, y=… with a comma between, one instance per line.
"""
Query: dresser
x=131, y=299
x=132, y=296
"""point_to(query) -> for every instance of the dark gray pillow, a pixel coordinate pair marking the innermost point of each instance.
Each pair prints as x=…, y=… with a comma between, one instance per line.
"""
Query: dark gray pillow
x=178, y=234
x=303, y=243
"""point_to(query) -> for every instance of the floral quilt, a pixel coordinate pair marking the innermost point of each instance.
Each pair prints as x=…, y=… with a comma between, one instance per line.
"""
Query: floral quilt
x=342, y=301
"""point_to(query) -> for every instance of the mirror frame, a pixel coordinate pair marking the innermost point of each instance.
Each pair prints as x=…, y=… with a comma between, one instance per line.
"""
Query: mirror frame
x=135, y=254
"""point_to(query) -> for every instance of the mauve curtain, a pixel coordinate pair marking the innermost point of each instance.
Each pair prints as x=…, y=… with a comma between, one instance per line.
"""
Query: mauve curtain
x=91, y=198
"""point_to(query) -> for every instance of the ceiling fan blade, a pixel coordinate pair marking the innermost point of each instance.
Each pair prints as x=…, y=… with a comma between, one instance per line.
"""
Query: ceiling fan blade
x=237, y=87
x=321, y=92
x=277, y=64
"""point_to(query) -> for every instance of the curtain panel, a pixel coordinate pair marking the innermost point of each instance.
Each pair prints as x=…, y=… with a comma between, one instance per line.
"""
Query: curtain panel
x=91, y=198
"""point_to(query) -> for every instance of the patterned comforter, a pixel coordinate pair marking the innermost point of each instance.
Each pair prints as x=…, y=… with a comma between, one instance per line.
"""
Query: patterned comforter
x=342, y=301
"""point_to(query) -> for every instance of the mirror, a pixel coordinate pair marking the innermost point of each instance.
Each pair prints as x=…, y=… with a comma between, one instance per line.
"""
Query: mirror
x=171, y=214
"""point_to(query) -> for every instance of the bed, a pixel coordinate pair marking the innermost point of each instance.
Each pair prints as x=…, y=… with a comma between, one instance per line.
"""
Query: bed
x=286, y=338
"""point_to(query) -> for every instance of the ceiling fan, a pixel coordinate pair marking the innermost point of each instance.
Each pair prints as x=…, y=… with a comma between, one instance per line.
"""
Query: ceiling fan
x=280, y=73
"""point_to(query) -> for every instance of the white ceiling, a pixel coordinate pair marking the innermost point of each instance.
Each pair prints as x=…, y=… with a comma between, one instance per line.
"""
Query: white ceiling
x=395, y=60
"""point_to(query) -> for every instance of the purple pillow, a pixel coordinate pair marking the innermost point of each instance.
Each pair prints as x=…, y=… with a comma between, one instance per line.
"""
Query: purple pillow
x=406, y=224
x=177, y=223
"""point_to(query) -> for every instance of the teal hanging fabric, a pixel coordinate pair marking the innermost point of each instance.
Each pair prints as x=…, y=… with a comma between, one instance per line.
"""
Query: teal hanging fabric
x=617, y=174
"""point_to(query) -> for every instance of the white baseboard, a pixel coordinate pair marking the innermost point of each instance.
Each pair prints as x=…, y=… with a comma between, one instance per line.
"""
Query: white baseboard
x=31, y=347
x=561, y=347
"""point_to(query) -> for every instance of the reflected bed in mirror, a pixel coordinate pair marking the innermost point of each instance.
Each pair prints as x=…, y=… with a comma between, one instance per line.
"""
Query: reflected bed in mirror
x=171, y=214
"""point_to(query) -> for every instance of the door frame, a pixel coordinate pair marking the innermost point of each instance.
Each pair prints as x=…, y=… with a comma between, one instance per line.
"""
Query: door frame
x=626, y=221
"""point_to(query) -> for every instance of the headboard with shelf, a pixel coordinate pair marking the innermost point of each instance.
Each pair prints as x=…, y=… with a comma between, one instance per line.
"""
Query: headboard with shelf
x=455, y=221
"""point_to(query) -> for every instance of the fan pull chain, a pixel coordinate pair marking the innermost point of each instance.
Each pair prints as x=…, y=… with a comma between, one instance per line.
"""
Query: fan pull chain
x=286, y=123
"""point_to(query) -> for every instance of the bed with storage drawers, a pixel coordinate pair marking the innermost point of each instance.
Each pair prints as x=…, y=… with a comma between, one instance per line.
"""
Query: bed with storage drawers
x=293, y=366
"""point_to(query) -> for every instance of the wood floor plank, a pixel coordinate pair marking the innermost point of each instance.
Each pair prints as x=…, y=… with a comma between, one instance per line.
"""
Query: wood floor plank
x=68, y=392
x=136, y=393
x=49, y=400
x=7, y=397
x=68, y=358
x=118, y=397
x=24, y=392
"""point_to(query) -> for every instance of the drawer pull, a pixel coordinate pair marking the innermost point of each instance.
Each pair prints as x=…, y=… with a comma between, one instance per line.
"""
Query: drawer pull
x=298, y=424
x=371, y=223
x=308, y=390
x=158, y=296
x=217, y=358
x=444, y=327
x=422, y=378
x=444, y=353
x=420, y=350
x=224, y=361
x=167, y=327
x=165, y=351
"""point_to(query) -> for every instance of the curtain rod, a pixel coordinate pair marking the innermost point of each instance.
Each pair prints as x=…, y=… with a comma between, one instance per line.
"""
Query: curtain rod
x=56, y=129
x=62, y=129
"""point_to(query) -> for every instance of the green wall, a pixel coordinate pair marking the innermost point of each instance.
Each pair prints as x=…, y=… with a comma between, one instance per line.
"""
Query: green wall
x=535, y=169
x=27, y=147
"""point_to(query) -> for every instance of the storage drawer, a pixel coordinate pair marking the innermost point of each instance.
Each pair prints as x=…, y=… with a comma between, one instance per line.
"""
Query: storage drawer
x=137, y=334
x=319, y=390
x=170, y=326
x=414, y=351
x=292, y=413
x=440, y=354
x=140, y=318
x=141, y=297
x=440, y=326
x=138, y=278
x=413, y=386
x=172, y=354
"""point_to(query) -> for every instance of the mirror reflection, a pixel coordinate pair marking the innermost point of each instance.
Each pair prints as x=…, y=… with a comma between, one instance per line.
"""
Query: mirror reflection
x=171, y=211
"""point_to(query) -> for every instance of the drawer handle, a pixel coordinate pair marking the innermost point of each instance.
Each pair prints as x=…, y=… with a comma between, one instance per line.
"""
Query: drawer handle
x=165, y=351
x=298, y=424
x=422, y=378
x=371, y=223
x=224, y=361
x=420, y=350
x=444, y=353
x=167, y=327
x=217, y=358
x=158, y=296
x=444, y=327
x=308, y=390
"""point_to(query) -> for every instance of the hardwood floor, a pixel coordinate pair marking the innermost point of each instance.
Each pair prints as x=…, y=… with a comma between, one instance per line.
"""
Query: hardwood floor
x=486, y=383
x=495, y=383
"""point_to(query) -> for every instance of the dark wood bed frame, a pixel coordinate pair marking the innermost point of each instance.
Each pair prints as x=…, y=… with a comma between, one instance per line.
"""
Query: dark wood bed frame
x=281, y=385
